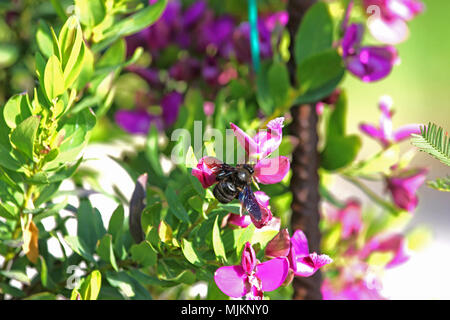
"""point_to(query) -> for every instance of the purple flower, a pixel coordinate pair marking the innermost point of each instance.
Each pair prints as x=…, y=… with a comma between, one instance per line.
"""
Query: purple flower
x=135, y=121
x=251, y=278
x=241, y=42
x=138, y=121
x=403, y=187
x=258, y=148
x=185, y=69
x=387, y=21
x=301, y=262
x=369, y=63
x=193, y=13
x=170, y=104
x=384, y=133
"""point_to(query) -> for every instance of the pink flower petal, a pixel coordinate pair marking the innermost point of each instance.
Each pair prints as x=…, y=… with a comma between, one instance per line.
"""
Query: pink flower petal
x=307, y=266
x=404, y=132
x=262, y=198
x=370, y=130
x=351, y=219
x=247, y=142
x=272, y=273
x=206, y=171
x=241, y=221
x=299, y=243
x=271, y=170
x=390, y=32
x=231, y=280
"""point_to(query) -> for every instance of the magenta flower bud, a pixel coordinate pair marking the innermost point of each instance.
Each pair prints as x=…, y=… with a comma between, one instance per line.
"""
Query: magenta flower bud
x=280, y=245
x=404, y=186
x=208, y=108
x=248, y=261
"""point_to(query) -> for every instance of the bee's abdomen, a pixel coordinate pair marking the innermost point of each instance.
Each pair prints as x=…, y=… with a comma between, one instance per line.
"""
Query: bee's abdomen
x=225, y=191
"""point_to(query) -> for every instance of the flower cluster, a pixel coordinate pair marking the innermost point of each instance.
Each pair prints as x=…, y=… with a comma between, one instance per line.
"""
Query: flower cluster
x=404, y=182
x=356, y=277
x=208, y=50
x=287, y=257
x=387, y=25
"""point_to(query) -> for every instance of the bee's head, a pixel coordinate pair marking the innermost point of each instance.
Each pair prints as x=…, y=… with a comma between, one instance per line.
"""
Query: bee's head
x=249, y=168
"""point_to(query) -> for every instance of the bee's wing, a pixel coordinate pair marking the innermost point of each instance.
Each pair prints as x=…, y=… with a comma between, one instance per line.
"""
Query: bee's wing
x=248, y=200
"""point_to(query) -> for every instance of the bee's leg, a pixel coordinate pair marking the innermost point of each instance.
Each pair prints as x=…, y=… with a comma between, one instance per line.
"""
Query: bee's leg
x=255, y=183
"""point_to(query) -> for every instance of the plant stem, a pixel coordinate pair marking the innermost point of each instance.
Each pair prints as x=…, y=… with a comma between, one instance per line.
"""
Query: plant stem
x=372, y=195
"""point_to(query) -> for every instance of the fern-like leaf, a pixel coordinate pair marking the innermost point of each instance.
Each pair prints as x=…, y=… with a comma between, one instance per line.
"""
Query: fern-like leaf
x=441, y=184
x=433, y=141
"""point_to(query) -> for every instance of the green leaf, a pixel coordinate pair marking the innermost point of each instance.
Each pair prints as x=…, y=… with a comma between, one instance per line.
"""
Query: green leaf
x=433, y=141
x=245, y=235
x=218, y=246
x=143, y=253
x=43, y=271
x=106, y=252
x=90, y=225
x=129, y=287
x=315, y=33
x=16, y=275
x=8, y=55
x=91, y=12
x=317, y=71
x=44, y=39
x=340, y=152
x=42, y=296
x=90, y=287
x=190, y=253
x=8, y=211
x=175, y=205
x=16, y=109
x=152, y=150
x=131, y=24
x=53, y=78
x=116, y=222
x=79, y=247
x=24, y=135
x=340, y=149
x=263, y=96
x=279, y=83
x=441, y=184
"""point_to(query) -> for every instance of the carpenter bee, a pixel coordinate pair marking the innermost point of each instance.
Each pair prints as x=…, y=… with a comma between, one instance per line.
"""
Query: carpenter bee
x=234, y=183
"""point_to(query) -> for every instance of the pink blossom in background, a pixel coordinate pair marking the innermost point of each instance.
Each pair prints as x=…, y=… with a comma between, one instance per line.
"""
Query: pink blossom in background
x=384, y=132
x=404, y=185
x=388, y=19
